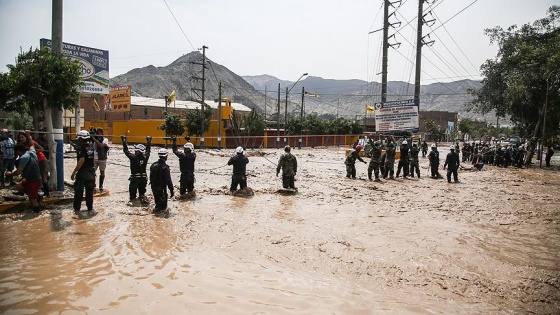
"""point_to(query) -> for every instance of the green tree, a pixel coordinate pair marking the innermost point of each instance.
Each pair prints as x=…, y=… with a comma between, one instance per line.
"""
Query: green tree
x=172, y=125
x=435, y=130
x=295, y=126
x=249, y=126
x=523, y=82
x=38, y=82
x=19, y=121
x=465, y=126
x=193, y=121
x=339, y=126
x=43, y=80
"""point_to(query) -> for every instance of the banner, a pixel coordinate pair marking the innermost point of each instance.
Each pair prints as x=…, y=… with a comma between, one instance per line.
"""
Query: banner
x=119, y=97
x=94, y=64
x=396, y=116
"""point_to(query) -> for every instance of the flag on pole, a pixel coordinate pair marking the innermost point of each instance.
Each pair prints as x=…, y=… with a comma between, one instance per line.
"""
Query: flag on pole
x=370, y=109
x=171, y=98
x=95, y=105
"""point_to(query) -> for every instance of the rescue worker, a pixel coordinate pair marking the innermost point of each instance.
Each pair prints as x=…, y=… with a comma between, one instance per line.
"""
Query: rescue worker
x=382, y=160
x=374, y=162
x=389, y=161
x=403, y=160
x=452, y=163
x=548, y=156
x=138, y=163
x=350, y=162
x=288, y=164
x=520, y=157
x=160, y=181
x=101, y=149
x=433, y=157
x=84, y=173
x=414, y=160
x=239, y=177
x=186, y=165
x=424, y=148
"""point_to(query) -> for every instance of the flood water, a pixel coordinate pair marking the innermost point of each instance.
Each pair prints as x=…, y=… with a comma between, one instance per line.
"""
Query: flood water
x=489, y=244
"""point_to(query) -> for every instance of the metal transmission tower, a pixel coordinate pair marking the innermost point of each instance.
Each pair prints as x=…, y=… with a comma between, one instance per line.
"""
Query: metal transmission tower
x=419, y=43
x=202, y=91
x=386, y=45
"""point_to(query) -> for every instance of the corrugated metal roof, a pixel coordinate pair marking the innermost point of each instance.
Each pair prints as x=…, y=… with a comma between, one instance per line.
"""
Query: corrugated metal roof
x=159, y=102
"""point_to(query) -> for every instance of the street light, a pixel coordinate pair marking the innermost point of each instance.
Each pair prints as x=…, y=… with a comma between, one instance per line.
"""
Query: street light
x=286, y=107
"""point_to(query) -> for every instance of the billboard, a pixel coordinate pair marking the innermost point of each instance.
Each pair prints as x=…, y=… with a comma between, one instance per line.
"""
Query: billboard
x=119, y=98
x=396, y=116
x=94, y=64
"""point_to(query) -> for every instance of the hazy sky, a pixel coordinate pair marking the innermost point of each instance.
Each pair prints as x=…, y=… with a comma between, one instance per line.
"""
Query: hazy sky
x=283, y=38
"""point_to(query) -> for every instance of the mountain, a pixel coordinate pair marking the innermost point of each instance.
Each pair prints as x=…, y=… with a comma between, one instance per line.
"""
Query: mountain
x=181, y=76
x=345, y=98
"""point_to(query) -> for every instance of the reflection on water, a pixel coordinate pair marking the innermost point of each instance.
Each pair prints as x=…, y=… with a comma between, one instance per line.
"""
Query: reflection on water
x=269, y=254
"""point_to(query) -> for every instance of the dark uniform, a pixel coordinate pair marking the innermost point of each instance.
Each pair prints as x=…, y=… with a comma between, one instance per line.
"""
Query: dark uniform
x=548, y=156
x=433, y=157
x=350, y=162
x=389, y=161
x=403, y=161
x=374, y=162
x=85, y=177
x=452, y=164
x=288, y=164
x=424, y=148
x=239, y=162
x=160, y=182
x=186, y=165
x=520, y=157
x=138, y=163
x=414, y=160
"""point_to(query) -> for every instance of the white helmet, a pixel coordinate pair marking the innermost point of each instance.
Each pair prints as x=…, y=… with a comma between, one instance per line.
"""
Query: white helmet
x=452, y=147
x=433, y=145
x=405, y=142
x=83, y=134
x=140, y=148
x=162, y=152
x=239, y=150
x=287, y=148
x=189, y=146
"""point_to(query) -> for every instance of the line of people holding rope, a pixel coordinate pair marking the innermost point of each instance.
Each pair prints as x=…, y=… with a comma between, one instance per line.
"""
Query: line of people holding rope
x=383, y=157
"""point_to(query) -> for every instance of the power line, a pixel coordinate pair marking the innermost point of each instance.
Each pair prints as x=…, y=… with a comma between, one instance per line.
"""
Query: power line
x=188, y=40
x=456, y=44
x=442, y=24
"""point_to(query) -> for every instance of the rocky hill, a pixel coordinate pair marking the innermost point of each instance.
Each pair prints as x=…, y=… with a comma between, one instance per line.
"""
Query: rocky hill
x=345, y=98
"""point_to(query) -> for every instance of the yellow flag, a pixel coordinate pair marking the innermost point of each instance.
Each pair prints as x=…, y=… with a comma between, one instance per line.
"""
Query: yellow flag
x=171, y=98
x=370, y=109
x=95, y=105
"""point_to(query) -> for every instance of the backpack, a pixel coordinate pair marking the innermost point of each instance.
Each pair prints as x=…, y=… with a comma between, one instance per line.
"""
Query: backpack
x=155, y=170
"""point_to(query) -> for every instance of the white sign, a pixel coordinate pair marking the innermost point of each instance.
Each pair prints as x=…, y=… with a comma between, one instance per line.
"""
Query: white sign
x=396, y=116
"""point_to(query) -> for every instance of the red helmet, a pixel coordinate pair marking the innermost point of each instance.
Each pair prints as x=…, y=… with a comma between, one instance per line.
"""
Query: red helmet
x=358, y=148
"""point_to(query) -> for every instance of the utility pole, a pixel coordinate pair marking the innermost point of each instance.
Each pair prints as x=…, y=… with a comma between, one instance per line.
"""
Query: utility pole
x=301, y=115
x=202, y=90
x=418, y=54
x=265, y=104
x=385, y=51
x=386, y=45
x=286, y=115
x=219, y=115
x=56, y=114
x=278, y=120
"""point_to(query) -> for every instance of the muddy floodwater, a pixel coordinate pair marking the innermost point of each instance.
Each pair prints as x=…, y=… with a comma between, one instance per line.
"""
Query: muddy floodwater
x=487, y=245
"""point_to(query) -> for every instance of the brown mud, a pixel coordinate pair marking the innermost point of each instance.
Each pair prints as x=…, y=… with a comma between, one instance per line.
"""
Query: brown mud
x=489, y=244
